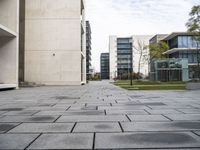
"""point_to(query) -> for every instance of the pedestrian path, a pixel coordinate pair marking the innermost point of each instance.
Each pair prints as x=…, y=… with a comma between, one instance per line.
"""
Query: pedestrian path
x=98, y=116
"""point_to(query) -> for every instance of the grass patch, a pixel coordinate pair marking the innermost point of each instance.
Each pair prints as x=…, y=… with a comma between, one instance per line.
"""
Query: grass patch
x=151, y=85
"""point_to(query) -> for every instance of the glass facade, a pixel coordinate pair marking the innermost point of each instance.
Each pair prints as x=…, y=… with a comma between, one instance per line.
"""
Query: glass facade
x=124, y=56
x=105, y=66
x=183, y=42
x=191, y=56
x=169, y=70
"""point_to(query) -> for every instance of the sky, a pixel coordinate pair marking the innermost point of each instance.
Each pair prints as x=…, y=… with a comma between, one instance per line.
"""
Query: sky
x=133, y=17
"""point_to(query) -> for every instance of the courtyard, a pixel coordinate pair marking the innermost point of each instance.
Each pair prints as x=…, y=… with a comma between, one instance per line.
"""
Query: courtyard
x=98, y=115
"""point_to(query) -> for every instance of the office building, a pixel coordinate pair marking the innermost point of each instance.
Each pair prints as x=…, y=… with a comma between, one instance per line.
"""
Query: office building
x=157, y=38
x=104, y=65
x=54, y=42
x=182, y=45
x=88, y=49
x=9, y=43
x=126, y=56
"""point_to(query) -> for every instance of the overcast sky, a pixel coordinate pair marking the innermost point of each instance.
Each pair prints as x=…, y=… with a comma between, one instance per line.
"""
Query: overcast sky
x=130, y=17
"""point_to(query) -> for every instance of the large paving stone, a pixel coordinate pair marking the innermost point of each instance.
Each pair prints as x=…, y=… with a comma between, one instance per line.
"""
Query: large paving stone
x=16, y=141
x=190, y=111
x=69, y=113
x=18, y=113
x=184, y=117
x=28, y=118
x=122, y=107
x=42, y=127
x=4, y=127
x=83, y=108
x=146, y=140
x=97, y=127
x=160, y=126
x=63, y=141
x=163, y=111
x=127, y=112
x=148, y=118
x=92, y=118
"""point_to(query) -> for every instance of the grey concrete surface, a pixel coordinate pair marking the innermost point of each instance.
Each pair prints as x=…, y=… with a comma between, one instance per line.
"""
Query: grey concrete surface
x=98, y=116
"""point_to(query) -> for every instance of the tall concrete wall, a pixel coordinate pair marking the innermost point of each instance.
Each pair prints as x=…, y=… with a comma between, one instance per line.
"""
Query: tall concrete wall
x=55, y=42
x=9, y=24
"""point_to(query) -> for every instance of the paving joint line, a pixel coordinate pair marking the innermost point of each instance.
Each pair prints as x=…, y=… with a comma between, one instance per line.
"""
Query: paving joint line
x=128, y=118
x=94, y=137
x=13, y=127
x=57, y=119
x=167, y=117
x=73, y=127
x=33, y=141
x=120, y=125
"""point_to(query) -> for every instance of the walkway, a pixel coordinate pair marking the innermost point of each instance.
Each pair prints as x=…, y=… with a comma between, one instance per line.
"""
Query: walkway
x=98, y=116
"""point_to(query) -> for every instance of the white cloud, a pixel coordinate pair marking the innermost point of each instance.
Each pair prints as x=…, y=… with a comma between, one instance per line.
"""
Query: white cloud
x=128, y=17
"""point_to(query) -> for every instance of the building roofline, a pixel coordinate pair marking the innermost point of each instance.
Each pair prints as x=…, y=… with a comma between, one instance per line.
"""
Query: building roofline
x=159, y=35
x=174, y=34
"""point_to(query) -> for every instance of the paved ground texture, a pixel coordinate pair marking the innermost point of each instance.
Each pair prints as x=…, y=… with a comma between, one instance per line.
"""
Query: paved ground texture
x=98, y=116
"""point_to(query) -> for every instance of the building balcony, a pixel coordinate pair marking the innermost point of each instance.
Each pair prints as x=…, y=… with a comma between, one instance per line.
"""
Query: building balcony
x=180, y=49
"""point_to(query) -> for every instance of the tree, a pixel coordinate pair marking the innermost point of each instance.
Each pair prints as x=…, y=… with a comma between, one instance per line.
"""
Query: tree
x=156, y=50
x=193, y=26
x=141, y=49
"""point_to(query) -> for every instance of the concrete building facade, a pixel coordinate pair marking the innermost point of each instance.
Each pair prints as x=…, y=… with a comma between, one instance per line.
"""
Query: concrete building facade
x=9, y=37
x=88, y=49
x=125, y=55
x=104, y=65
x=55, y=42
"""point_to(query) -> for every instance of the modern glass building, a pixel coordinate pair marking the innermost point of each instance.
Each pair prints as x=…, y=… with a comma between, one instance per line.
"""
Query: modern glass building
x=124, y=57
x=183, y=45
x=104, y=65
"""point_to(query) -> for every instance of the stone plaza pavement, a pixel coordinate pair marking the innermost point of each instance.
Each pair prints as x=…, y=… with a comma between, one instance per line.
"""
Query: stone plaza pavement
x=98, y=116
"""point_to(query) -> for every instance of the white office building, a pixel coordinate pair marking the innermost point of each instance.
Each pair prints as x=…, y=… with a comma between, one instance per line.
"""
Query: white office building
x=125, y=53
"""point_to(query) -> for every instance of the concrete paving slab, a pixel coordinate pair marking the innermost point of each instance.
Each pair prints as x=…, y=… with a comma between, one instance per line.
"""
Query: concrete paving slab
x=160, y=126
x=4, y=127
x=63, y=141
x=97, y=127
x=93, y=118
x=184, y=117
x=122, y=107
x=127, y=112
x=83, y=108
x=16, y=141
x=69, y=113
x=148, y=118
x=152, y=140
x=163, y=111
x=190, y=111
x=28, y=118
x=18, y=113
x=42, y=128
